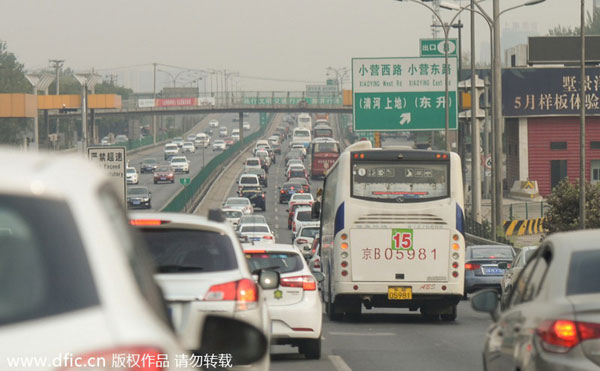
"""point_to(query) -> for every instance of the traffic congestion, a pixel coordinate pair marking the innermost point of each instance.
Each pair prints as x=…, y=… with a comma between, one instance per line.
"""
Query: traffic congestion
x=296, y=257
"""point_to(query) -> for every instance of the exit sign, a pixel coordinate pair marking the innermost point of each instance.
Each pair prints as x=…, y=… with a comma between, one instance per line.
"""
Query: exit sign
x=435, y=47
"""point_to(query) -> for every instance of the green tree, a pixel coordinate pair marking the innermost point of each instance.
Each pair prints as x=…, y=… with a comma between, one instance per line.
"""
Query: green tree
x=563, y=214
x=592, y=27
x=12, y=80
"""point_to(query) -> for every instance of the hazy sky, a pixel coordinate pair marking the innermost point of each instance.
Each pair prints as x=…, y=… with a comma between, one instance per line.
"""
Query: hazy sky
x=282, y=39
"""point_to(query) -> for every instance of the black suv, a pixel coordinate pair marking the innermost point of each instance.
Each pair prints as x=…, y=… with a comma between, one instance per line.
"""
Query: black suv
x=256, y=195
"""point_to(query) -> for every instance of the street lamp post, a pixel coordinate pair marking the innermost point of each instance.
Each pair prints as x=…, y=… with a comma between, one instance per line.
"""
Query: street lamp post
x=340, y=75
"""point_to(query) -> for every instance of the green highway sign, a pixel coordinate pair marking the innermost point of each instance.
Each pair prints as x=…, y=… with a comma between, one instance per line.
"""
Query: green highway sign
x=435, y=47
x=184, y=181
x=403, y=94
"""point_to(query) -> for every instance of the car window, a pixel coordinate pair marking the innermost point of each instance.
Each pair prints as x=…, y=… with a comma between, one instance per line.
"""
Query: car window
x=304, y=216
x=519, y=262
x=530, y=280
x=584, y=274
x=248, y=180
x=282, y=262
x=309, y=232
x=41, y=252
x=255, y=228
x=491, y=253
x=182, y=250
x=233, y=213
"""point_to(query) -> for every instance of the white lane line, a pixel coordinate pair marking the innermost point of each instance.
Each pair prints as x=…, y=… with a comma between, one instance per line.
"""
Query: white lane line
x=339, y=364
x=362, y=333
x=276, y=210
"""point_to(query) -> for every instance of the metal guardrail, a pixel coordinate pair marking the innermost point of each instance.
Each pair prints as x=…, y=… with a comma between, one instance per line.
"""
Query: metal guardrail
x=484, y=232
x=526, y=210
x=183, y=200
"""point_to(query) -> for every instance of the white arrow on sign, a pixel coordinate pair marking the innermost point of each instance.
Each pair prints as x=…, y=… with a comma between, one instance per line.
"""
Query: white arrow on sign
x=405, y=118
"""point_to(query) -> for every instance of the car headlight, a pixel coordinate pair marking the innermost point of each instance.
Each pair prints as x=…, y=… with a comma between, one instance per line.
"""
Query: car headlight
x=146, y=199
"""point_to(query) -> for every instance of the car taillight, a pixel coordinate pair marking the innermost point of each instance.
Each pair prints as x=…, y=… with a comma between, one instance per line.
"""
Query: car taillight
x=139, y=358
x=282, y=191
x=559, y=336
x=244, y=292
x=317, y=263
x=302, y=240
x=147, y=222
x=294, y=226
x=267, y=237
x=307, y=283
x=472, y=266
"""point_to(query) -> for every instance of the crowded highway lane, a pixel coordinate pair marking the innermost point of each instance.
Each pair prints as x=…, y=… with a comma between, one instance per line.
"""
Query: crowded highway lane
x=163, y=192
x=380, y=339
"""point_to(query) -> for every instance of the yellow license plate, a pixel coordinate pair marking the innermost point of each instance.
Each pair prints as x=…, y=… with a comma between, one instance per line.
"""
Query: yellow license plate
x=399, y=293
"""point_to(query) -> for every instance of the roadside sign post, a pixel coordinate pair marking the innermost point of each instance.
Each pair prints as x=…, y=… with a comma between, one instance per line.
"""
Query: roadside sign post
x=185, y=182
x=403, y=94
x=113, y=160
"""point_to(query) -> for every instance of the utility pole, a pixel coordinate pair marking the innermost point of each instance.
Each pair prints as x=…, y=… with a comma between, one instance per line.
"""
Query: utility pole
x=582, y=175
x=57, y=65
x=154, y=116
x=498, y=167
x=475, y=133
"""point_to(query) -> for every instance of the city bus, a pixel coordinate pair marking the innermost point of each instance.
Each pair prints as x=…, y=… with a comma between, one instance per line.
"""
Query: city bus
x=323, y=154
x=392, y=226
x=322, y=131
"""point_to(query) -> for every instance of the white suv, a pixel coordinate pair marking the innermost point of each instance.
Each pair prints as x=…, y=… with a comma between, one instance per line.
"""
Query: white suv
x=202, y=270
x=181, y=164
x=75, y=280
x=171, y=149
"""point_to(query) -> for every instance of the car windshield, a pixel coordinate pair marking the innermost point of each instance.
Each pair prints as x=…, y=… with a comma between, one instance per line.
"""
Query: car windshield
x=171, y=146
x=326, y=148
x=238, y=201
x=255, y=229
x=232, y=213
x=491, y=253
x=179, y=160
x=163, y=169
x=41, y=252
x=304, y=215
x=183, y=250
x=149, y=161
x=253, y=163
x=310, y=232
x=282, y=262
x=583, y=273
x=137, y=191
x=249, y=180
x=301, y=196
x=131, y=170
x=292, y=186
x=296, y=173
x=253, y=219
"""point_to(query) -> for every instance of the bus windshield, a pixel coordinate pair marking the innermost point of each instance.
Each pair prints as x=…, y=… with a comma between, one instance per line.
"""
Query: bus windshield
x=326, y=148
x=400, y=182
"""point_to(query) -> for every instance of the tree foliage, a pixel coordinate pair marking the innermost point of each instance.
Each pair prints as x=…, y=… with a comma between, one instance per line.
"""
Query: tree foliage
x=12, y=80
x=563, y=214
x=592, y=26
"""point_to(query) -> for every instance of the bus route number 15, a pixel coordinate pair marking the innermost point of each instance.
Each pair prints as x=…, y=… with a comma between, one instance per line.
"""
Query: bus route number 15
x=402, y=239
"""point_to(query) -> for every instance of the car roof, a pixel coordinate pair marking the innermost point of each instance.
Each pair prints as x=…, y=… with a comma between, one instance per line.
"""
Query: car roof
x=298, y=180
x=270, y=247
x=574, y=240
x=237, y=198
x=231, y=209
x=180, y=220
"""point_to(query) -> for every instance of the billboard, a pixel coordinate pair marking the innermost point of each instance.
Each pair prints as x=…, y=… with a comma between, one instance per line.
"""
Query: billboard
x=176, y=102
x=548, y=91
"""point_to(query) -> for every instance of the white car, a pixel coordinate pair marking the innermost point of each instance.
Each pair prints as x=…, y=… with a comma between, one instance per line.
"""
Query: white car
x=131, y=175
x=274, y=140
x=178, y=141
x=294, y=162
x=202, y=140
x=304, y=198
x=171, y=149
x=180, y=164
x=248, y=180
x=303, y=217
x=264, y=156
x=188, y=147
x=252, y=219
x=246, y=125
x=256, y=233
x=223, y=131
x=240, y=203
x=295, y=306
x=190, y=138
x=233, y=216
x=252, y=163
x=299, y=146
x=75, y=279
x=213, y=123
x=304, y=239
x=219, y=145
x=201, y=270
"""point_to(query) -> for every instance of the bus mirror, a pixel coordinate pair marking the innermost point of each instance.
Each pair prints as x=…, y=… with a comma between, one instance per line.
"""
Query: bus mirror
x=316, y=210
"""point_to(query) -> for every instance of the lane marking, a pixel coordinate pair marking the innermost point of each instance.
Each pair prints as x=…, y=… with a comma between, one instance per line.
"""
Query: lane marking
x=362, y=333
x=339, y=363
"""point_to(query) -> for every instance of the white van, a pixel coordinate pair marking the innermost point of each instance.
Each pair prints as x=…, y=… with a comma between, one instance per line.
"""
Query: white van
x=202, y=140
x=302, y=135
x=305, y=121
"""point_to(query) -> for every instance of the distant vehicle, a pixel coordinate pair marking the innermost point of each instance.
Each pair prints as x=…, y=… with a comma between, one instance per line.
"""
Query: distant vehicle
x=264, y=156
x=105, y=141
x=233, y=216
x=296, y=172
x=321, y=117
x=248, y=180
x=303, y=218
x=253, y=163
x=240, y=203
x=293, y=154
x=287, y=190
x=514, y=269
x=188, y=147
x=191, y=138
x=551, y=320
x=482, y=269
x=322, y=131
x=202, y=140
x=171, y=149
x=304, y=121
x=301, y=198
x=262, y=175
x=303, y=182
x=131, y=175
x=252, y=219
x=246, y=125
x=222, y=132
x=228, y=141
x=323, y=154
x=139, y=196
x=213, y=123
x=385, y=188
x=300, y=147
x=178, y=141
x=256, y=195
x=303, y=240
x=164, y=173
x=219, y=145
x=295, y=306
x=180, y=164
x=148, y=165
x=256, y=233
x=121, y=139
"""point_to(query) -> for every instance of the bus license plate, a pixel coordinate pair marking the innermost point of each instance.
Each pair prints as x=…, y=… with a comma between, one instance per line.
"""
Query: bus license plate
x=399, y=293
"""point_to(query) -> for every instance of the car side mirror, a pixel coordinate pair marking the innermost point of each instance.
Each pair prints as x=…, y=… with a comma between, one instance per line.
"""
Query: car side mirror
x=268, y=279
x=503, y=265
x=149, y=193
x=486, y=301
x=222, y=335
x=318, y=276
x=316, y=210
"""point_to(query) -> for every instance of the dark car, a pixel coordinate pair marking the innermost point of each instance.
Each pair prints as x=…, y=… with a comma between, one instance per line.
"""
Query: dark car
x=287, y=190
x=552, y=317
x=139, y=196
x=228, y=141
x=256, y=195
x=481, y=266
x=164, y=173
x=209, y=132
x=262, y=175
x=303, y=181
x=297, y=172
x=148, y=165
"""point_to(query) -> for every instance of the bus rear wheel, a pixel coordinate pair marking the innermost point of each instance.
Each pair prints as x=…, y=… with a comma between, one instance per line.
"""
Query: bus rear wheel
x=332, y=313
x=449, y=317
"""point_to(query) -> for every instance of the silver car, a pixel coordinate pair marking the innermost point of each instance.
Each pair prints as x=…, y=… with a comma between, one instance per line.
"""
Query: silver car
x=481, y=266
x=552, y=317
x=513, y=269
